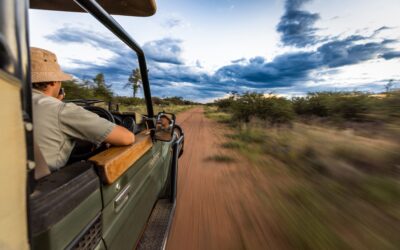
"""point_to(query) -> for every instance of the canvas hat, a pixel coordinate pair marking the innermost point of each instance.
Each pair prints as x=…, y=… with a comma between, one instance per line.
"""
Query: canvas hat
x=45, y=68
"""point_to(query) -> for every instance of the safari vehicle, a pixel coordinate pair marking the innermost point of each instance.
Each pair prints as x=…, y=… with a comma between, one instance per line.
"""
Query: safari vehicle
x=109, y=198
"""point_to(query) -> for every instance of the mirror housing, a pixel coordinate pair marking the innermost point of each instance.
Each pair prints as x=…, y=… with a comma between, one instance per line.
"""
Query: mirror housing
x=165, y=124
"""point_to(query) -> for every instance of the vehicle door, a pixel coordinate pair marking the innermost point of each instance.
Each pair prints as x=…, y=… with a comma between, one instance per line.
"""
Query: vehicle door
x=129, y=200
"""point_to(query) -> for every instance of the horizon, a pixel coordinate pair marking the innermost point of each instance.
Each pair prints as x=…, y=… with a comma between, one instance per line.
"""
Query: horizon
x=300, y=46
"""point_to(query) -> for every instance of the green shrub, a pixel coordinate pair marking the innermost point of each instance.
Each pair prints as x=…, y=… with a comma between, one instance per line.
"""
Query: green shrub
x=255, y=105
x=225, y=104
x=343, y=105
x=389, y=107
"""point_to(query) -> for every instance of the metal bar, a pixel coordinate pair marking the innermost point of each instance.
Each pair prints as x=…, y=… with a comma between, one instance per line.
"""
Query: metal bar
x=174, y=170
x=92, y=7
x=22, y=37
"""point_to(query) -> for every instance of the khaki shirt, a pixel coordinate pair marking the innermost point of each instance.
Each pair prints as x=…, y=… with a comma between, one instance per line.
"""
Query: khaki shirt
x=57, y=124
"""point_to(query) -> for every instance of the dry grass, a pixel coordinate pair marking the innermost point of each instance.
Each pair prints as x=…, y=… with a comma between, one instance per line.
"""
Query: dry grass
x=329, y=188
x=220, y=158
x=141, y=109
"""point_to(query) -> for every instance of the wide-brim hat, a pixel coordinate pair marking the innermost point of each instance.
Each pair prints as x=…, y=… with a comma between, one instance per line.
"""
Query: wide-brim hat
x=45, y=68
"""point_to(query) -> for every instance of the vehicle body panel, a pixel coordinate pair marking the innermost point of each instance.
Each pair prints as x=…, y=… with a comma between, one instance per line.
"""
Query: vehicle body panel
x=144, y=182
x=13, y=214
x=122, y=220
x=65, y=231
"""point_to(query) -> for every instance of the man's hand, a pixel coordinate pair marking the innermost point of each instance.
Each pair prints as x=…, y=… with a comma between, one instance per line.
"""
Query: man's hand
x=61, y=94
x=60, y=97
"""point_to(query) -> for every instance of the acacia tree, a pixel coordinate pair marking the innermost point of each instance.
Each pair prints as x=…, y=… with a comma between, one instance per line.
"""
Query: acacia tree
x=134, y=81
x=101, y=89
x=389, y=86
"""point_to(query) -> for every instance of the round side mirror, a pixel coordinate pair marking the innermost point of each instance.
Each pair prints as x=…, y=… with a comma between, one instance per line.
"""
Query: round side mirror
x=164, y=126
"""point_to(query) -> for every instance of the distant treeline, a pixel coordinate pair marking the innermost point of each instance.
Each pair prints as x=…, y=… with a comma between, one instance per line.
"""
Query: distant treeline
x=97, y=88
x=339, y=106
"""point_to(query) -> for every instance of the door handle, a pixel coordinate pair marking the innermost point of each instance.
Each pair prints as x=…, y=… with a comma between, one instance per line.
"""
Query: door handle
x=122, y=198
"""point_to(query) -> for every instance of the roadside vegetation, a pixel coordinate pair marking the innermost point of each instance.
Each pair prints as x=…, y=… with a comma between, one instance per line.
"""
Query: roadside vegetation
x=331, y=161
x=98, y=89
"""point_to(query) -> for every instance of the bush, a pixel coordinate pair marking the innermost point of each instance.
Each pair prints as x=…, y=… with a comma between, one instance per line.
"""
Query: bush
x=74, y=90
x=388, y=108
x=256, y=105
x=343, y=105
x=225, y=104
x=128, y=101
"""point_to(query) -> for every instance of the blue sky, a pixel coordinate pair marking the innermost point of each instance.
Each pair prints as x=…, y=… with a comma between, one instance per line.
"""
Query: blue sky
x=201, y=50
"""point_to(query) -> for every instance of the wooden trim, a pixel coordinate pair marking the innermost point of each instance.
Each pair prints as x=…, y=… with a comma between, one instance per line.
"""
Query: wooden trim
x=113, y=162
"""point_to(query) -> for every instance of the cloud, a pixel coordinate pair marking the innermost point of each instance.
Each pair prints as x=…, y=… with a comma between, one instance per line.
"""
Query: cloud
x=170, y=75
x=391, y=55
x=347, y=52
x=172, y=22
x=297, y=26
x=383, y=28
x=166, y=50
x=70, y=34
x=239, y=60
x=295, y=68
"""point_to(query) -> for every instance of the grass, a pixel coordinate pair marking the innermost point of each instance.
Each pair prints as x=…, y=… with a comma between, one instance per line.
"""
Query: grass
x=220, y=158
x=141, y=109
x=329, y=188
x=221, y=117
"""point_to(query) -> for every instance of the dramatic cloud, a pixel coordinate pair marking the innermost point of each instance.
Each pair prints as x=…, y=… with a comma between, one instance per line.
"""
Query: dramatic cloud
x=391, y=55
x=164, y=51
x=297, y=26
x=293, y=68
x=170, y=75
x=69, y=34
x=347, y=51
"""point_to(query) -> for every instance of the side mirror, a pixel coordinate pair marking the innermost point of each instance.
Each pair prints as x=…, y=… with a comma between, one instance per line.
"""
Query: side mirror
x=165, y=124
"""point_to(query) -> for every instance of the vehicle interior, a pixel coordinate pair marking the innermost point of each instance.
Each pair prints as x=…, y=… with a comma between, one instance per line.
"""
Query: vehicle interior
x=83, y=150
x=104, y=196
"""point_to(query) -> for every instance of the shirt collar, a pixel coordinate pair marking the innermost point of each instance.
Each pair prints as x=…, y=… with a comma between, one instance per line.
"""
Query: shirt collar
x=37, y=91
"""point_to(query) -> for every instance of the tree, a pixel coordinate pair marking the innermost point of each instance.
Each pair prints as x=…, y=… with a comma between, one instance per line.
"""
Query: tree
x=101, y=89
x=75, y=90
x=134, y=81
x=389, y=86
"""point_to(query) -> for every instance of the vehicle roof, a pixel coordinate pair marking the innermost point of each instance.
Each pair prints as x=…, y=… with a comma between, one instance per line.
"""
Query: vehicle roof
x=116, y=7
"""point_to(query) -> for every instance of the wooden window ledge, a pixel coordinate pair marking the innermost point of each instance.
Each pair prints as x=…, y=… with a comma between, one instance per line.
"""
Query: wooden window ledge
x=114, y=161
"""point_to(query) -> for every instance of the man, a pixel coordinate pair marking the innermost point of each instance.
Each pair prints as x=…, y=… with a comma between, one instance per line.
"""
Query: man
x=57, y=124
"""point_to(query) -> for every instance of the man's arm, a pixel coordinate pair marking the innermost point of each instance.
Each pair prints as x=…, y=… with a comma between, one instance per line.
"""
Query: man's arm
x=120, y=136
x=79, y=123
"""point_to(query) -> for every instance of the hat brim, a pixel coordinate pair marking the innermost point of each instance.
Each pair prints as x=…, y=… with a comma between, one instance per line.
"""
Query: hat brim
x=50, y=77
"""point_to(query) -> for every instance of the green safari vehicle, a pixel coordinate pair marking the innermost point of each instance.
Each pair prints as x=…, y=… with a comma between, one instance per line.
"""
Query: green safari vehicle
x=105, y=198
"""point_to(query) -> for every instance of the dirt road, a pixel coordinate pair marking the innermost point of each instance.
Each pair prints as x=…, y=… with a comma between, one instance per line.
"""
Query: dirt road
x=217, y=206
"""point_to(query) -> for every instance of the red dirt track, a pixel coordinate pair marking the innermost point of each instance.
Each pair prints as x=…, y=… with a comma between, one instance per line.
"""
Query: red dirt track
x=217, y=205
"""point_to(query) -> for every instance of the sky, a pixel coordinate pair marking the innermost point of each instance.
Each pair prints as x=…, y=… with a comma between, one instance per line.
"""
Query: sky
x=202, y=50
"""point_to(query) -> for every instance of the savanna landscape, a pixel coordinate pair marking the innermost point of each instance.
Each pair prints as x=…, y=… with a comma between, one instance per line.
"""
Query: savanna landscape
x=319, y=171
x=290, y=111
x=329, y=163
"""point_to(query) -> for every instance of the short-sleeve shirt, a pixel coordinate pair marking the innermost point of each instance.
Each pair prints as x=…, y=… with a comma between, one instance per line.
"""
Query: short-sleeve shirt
x=58, y=124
